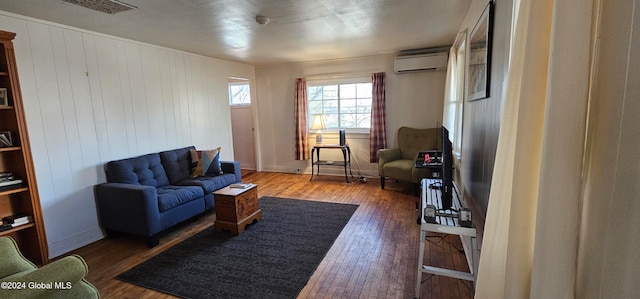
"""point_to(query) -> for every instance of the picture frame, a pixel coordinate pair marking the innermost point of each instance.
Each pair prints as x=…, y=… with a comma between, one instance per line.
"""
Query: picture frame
x=4, y=98
x=480, y=56
x=5, y=139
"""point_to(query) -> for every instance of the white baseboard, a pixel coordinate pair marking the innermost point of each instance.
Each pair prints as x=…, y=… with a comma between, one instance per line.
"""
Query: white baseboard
x=324, y=170
x=74, y=242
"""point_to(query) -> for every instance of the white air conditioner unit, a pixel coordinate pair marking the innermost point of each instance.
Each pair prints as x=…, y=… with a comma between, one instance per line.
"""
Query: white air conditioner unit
x=421, y=62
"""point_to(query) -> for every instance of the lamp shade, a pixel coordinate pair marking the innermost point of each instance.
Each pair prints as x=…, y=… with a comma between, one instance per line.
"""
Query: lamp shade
x=318, y=122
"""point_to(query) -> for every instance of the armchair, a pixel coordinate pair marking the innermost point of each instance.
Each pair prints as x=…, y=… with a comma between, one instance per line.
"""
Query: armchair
x=399, y=163
x=63, y=278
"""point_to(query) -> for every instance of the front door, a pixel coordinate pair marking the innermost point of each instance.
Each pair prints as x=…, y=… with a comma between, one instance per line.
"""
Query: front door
x=242, y=123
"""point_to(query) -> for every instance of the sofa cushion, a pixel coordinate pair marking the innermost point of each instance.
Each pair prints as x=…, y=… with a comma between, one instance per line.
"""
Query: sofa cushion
x=143, y=170
x=172, y=196
x=177, y=163
x=399, y=169
x=210, y=183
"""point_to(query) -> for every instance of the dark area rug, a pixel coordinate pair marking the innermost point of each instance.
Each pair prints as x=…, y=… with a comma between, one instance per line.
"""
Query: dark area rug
x=273, y=258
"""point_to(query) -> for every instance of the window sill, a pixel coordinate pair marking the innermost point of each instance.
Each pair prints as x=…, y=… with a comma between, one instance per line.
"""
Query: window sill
x=334, y=134
x=347, y=131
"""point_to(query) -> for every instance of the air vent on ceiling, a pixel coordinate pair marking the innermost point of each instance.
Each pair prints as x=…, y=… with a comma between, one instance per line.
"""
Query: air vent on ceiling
x=106, y=6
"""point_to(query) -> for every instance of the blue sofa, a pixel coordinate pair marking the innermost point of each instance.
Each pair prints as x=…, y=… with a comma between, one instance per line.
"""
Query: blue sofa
x=147, y=194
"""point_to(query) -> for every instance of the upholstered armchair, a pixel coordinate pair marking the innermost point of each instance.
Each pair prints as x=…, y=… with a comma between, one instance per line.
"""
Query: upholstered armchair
x=63, y=278
x=399, y=163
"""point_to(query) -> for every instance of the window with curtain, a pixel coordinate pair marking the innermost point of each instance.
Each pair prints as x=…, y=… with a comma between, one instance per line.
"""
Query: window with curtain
x=345, y=104
x=454, y=95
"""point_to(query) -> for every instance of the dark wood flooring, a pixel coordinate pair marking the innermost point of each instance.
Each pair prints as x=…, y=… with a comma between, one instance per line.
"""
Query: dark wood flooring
x=374, y=257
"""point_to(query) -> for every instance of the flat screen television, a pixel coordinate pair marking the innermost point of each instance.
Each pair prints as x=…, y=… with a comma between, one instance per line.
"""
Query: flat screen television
x=447, y=170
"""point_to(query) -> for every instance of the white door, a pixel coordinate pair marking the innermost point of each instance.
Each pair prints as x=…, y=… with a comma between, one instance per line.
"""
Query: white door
x=242, y=123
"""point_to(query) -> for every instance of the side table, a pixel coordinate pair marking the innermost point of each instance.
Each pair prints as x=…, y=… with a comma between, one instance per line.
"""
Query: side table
x=235, y=208
x=346, y=159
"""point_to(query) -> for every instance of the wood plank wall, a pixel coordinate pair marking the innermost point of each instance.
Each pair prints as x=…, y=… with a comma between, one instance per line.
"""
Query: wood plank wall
x=481, y=122
x=91, y=98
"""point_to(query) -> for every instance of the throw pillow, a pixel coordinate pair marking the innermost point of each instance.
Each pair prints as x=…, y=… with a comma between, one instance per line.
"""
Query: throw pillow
x=196, y=164
x=211, y=162
x=206, y=165
x=194, y=158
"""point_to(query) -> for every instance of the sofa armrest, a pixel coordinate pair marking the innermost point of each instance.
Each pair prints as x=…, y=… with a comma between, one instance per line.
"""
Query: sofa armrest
x=129, y=208
x=232, y=167
x=59, y=279
x=12, y=260
x=71, y=268
x=386, y=156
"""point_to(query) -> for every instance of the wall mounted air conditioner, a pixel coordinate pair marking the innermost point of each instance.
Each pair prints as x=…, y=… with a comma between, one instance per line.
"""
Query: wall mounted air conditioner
x=421, y=62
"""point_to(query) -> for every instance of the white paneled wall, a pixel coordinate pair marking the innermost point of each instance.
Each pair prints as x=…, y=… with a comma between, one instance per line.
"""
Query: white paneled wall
x=91, y=98
x=413, y=100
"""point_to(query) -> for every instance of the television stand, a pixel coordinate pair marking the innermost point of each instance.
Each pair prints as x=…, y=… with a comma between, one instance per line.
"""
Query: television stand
x=447, y=223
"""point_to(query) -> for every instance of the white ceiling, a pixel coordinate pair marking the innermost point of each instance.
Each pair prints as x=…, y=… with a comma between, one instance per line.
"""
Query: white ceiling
x=300, y=30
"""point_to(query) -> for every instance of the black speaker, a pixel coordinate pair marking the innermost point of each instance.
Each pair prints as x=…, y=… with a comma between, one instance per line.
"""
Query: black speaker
x=343, y=137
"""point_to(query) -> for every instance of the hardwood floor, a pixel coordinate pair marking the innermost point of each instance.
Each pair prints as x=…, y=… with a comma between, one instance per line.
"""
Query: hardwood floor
x=374, y=257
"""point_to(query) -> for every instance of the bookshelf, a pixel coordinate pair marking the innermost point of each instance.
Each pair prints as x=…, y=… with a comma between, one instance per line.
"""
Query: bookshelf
x=15, y=158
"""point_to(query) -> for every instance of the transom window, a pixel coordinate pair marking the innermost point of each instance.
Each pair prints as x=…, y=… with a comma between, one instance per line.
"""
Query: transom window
x=239, y=94
x=344, y=105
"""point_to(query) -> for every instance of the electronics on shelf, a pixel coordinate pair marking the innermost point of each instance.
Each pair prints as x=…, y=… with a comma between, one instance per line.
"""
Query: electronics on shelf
x=447, y=169
x=343, y=137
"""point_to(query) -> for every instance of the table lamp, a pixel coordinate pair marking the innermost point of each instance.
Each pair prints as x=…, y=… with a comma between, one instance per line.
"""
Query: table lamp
x=318, y=125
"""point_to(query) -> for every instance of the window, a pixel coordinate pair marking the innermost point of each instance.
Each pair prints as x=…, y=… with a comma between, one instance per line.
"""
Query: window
x=454, y=98
x=460, y=68
x=344, y=105
x=239, y=94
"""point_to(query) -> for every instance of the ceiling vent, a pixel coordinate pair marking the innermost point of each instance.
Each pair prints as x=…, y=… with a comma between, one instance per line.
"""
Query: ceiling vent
x=106, y=6
x=421, y=60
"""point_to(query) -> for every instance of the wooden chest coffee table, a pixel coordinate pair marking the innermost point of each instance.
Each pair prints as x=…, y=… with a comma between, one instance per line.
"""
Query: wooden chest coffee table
x=235, y=208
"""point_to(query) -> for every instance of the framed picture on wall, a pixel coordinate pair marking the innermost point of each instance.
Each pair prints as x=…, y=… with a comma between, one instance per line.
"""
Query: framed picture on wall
x=480, y=56
x=4, y=98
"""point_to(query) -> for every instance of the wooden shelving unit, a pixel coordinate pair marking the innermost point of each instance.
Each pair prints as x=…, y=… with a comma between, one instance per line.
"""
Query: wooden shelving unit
x=16, y=159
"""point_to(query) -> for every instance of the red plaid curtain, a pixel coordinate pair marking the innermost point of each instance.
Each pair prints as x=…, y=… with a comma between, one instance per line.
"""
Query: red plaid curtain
x=302, y=129
x=377, y=133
